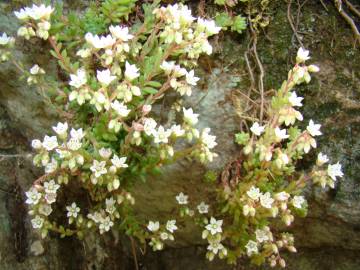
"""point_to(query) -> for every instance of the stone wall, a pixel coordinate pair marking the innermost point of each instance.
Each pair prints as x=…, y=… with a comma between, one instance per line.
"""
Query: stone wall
x=329, y=238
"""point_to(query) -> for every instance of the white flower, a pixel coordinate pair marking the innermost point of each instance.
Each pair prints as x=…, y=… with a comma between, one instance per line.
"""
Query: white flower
x=4, y=39
x=105, y=153
x=61, y=128
x=33, y=196
x=334, y=170
x=121, y=33
x=164, y=235
x=149, y=126
x=50, y=198
x=45, y=209
x=207, y=139
x=40, y=12
x=190, y=117
x=214, y=226
x=209, y=26
x=73, y=210
x=153, y=226
x=36, y=144
x=104, y=77
x=282, y=196
x=37, y=222
x=302, y=55
x=36, y=70
x=84, y=53
x=105, y=224
x=295, y=100
x=101, y=42
x=51, y=186
x=283, y=159
x=50, y=143
x=35, y=12
x=257, y=129
x=98, y=168
x=266, y=200
x=179, y=71
x=171, y=225
x=110, y=205
x=22, y=14
x=177, y=130
x=321, y=159
x=79, y=79
x=51, y=166
x=190, y=78
x=314, y=129
x=162, y=135
x=121, y=109
x=203, y=208
x=131, y=71
x=251, y=248
x=168, y=67
x=262, y=235
x=74, y=144
x=96, y=217
x=77, y=134
x=281, y=134
x=119, y=162
x=215, y=247
x=297, y=201
x=182, y=198
x=254, y=193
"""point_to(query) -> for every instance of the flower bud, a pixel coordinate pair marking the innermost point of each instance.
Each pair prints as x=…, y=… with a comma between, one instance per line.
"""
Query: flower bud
x=36, y=144
x=146, y=109
x=272, y=263
x=282, y=263
x=116, y=183
x=246, y=210
x=313, y=68
x=248, y=149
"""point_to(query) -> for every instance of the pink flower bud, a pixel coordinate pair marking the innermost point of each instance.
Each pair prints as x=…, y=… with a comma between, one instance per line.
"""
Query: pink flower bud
x=138, y=127
x=146, y=109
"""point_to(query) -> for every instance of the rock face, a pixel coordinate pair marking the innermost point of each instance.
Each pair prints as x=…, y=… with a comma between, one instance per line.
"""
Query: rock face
x=329, y=238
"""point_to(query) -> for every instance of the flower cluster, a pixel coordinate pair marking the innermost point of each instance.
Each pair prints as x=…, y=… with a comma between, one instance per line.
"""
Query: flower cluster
x=181, y=30
x=35, y=74
x=113, y=138
x=36, y=20
x=159, y=234
x=212, y=228
x=269, y=187
x=213, y=235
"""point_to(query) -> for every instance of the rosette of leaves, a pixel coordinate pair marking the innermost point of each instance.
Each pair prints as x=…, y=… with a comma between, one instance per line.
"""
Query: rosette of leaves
x=232, y=23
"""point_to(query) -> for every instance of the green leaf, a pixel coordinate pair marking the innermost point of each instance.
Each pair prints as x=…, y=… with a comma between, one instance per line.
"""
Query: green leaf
x=239, y=24
x=210, y=176
x=242, y=138
x=149, y=90
x=220, y=2
x=154, y=84
x=223, y=19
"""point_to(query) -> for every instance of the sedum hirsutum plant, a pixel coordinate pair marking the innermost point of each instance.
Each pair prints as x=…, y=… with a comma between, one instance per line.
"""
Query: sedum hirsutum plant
x=265, y=194
x=110, y=137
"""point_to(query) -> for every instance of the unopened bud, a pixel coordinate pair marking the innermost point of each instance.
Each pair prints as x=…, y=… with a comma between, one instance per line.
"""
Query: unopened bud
x=282, y=263
x=146, y=109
